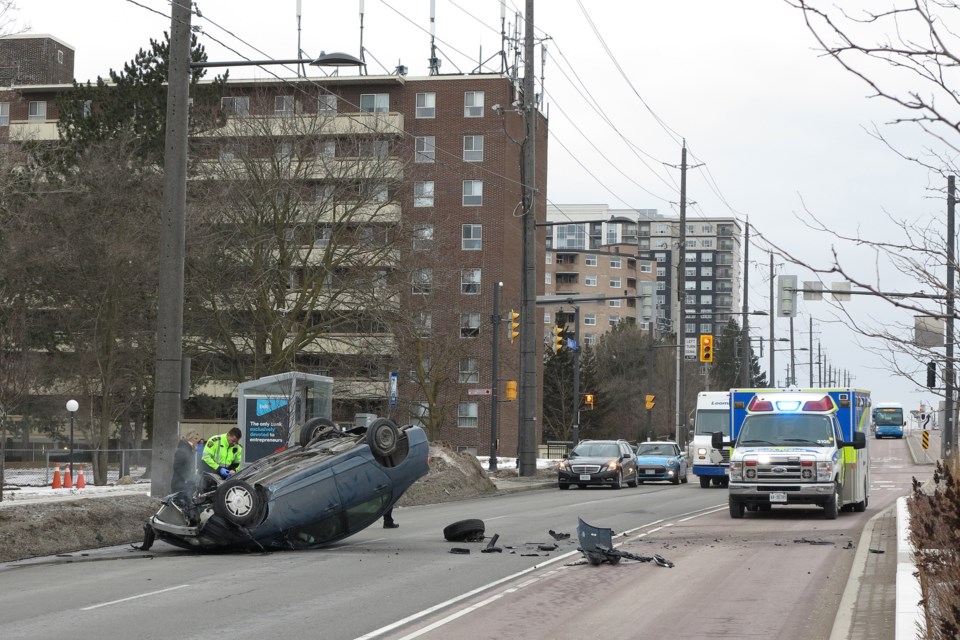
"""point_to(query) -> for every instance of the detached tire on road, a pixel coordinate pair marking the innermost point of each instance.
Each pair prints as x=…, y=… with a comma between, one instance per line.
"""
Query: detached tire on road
x=464, y=531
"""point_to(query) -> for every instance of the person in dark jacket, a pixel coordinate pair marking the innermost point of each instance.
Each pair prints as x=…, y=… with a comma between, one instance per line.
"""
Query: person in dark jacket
x=185, y=463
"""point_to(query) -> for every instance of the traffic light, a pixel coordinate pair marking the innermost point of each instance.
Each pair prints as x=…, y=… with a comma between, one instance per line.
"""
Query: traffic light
x=511, y=389
x=931, y=374
x=787, y=296
x=514, y=325
x=706, y=347
x=588, y=400
x=651, y=400
x=557, y=339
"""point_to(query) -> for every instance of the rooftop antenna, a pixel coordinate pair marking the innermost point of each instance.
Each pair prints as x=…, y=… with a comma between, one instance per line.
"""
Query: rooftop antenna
x=363, y=69
x=300, y=70
x=503, y=36
x=434, y=60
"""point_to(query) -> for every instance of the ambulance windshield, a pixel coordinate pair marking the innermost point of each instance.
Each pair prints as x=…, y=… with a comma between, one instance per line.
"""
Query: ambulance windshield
x=786, y=430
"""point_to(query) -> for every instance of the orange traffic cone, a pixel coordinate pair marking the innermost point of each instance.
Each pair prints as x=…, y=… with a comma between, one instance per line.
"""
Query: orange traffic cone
x=81, y=483
x=57, y=481
x=67, y=479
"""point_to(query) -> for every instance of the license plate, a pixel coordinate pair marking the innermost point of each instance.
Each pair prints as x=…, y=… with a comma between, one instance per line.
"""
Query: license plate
x=584, y=476
x=778, y=497
x=649, y=472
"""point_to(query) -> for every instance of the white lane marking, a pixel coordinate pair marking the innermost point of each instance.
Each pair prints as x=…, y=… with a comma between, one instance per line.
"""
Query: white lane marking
x=458, y=614
x=142, y=595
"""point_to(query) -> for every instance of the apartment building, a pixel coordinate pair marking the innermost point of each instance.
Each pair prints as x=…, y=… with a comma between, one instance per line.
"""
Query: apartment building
x=449, y=175
x=711, y=261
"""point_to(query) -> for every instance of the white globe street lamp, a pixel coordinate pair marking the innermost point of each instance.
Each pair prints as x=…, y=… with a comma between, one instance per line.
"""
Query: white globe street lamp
x=72, y=406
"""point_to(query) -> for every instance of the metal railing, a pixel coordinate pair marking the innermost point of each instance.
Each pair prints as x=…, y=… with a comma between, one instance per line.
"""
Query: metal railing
x=35, y=468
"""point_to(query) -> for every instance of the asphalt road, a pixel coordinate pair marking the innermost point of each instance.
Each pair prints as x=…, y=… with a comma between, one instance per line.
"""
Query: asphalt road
x=732, y=579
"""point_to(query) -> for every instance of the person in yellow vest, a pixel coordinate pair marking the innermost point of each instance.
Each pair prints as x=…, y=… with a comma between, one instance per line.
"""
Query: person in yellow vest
x=222, y=453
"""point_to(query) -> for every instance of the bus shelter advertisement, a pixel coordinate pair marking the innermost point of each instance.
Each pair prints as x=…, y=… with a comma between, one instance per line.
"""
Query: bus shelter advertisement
x=268, y=426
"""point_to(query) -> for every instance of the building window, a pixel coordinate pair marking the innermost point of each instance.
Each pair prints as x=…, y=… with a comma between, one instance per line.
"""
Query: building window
x=374, y=148
x=614, y=320
x=473, y=104
x=706, y=272
x=283, y=105
x=4, y=114
x=427, y=105
x=614, y=283
x=706, y=285
x=646, y=267
x=471, y=237
x=614, y=303
x=235, y=106
x=706, y=256
x=426, y=149
x=327, y=103
x=691, y=244
x=549, y=258
x=325, y=148
x=423, y=194
x=690, y=272
x=661, y=300
x=590, y=261
x=467, y=415
x=661, y=285
x=706, y=228
x=419, y=414
x=469, y=370
x=59, y=56
x=590, y=339
x=423, y=237
x=571, y=236
x=470, y=281
x=706, y=300
x=690, y=257
x=690, y=300
x=707, y=243
x=547, y=278
x=424, y=324
x=590, y=319
x=421, y=375
x=616, y=263
x=691, y=327
x=374, y=102
x=472, y=193
x=590, y=281
x=374, y=192
x=473, y=148
x=284, y=151
x=37, y=110
x=422, y=281
x=661, y=272
x=706, y=327
x=469, y=325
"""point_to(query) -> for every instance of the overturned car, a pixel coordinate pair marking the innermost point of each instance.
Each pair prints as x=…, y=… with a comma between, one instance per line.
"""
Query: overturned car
x=332, y=485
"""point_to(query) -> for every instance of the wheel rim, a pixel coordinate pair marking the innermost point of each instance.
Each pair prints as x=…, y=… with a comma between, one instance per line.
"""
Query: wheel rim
x=386, y=438
x=238, y=502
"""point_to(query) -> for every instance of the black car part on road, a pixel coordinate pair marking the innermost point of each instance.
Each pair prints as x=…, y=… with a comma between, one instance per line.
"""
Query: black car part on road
x=465, y=531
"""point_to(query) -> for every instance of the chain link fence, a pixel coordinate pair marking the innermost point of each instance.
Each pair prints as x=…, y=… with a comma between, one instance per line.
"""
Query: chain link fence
x=33, y=468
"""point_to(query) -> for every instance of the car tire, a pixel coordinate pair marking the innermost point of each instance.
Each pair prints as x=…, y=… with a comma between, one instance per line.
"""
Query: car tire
x=316, y=429
x=635, y=481
x=725, y=482
x=686, y=478
x=563, y=485
x=238, y=502
x=861, y=506
x=382, y=436
x=675, y=479
x=736, y=509
x=619, y=482
x=464, y=531
x=831, y=507
x=704, y=482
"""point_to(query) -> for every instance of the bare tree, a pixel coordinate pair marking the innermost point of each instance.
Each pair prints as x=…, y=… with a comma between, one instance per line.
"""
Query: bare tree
x=8, y=19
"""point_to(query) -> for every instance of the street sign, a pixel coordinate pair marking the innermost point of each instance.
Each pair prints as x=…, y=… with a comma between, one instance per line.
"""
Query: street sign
x=690, y=347
x=925, y=439
x=393, y=389
x=479, y=392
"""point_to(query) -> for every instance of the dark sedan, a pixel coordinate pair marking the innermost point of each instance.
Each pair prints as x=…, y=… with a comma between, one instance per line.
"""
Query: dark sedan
x=598, y=462
x=333, y=485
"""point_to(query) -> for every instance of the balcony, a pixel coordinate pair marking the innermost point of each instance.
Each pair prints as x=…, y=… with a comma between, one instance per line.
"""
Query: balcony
x=33, y=130
x=311, y=124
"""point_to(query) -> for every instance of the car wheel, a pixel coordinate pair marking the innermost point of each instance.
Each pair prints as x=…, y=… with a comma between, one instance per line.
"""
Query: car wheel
x=686, y=477
x=581, y=486
x=704, y=482
x=238, y=502
x=675, y=479
x=725, y=482
x=717, y=482
x=861, y=506
x=316, y=428
x=464, y=531
x=831, y=508
x=382, y=436
x=619, y=482
x=736, y=509
x=636, y=479
x=563, y=485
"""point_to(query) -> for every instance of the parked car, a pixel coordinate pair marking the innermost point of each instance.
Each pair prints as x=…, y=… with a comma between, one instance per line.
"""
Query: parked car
x=598, y=462
x=661, y=461
x=302, y=497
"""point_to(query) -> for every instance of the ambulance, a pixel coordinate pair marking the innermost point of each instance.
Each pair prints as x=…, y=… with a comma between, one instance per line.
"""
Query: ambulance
x=798, y=446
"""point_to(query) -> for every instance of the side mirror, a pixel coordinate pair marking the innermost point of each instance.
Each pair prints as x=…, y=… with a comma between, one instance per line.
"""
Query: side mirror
x=859, y=440
x=716, y=440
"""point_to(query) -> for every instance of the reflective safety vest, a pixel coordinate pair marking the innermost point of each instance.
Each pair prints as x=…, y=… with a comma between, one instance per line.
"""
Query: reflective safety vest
x=218, y=452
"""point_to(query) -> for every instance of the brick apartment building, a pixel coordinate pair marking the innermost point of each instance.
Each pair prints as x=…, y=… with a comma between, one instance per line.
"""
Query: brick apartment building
x=455, y=182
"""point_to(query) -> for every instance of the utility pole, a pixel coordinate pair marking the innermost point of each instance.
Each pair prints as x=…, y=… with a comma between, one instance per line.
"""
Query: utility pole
x=810, y=341
x=495, y=375
x=166, y=404
x=576, y=376
x=948, y=428
x=745, y=327
x=527, y=455
x=773, y=381
x=680, y=324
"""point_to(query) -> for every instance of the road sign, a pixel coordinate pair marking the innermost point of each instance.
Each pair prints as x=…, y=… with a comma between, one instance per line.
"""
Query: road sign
x=690, y=347
x=479, y=392
x=925, y=439
x=393, y=389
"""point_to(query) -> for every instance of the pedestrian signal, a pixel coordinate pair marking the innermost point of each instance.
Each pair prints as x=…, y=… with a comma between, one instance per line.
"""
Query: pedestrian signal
x=706, y=348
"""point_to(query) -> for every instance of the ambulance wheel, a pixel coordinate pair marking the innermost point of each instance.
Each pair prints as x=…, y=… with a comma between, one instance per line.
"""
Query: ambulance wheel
x=830, y=508
x=704, y=482
x=861, y=506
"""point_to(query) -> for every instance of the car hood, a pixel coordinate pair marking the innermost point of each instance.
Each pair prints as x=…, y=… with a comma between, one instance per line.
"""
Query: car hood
x=601, y=460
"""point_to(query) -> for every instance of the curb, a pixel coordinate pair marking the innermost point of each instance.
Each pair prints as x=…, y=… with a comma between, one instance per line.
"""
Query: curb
x=910, y=615
x=851, y=592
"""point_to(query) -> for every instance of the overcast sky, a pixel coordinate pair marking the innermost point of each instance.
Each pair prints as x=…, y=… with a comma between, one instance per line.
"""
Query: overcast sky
x=775, y=127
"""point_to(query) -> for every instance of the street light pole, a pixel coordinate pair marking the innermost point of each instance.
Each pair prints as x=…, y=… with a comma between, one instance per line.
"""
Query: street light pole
x=745, y=325
x=72, y=406
x=495, y=376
